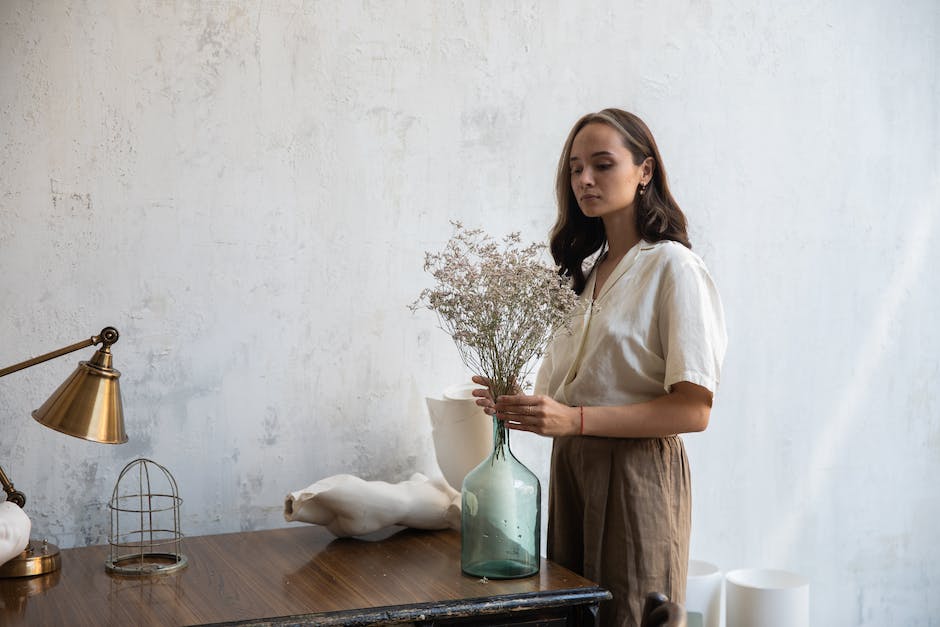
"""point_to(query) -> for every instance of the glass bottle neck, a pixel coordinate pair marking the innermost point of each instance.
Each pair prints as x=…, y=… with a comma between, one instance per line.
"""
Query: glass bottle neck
x=500, y=440
x=498, y=387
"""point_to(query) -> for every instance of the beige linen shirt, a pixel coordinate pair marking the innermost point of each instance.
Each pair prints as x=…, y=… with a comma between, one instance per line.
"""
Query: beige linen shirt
x=657, y=320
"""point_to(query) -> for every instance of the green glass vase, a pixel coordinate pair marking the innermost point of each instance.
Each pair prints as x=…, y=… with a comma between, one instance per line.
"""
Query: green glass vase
x=500, y=518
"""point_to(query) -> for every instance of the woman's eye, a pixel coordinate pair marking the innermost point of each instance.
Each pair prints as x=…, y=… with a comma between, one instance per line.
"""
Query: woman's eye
x=604, y=166
x=575, y=171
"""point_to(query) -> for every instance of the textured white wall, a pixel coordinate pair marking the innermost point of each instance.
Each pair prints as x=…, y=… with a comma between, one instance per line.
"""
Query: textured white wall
x=246, y=189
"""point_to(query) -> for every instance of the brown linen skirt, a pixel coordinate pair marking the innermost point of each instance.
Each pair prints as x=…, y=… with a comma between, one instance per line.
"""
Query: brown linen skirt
x=619, y=513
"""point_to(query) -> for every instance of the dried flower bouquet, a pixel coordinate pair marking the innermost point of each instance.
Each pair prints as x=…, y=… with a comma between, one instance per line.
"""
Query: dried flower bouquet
x=499, y=302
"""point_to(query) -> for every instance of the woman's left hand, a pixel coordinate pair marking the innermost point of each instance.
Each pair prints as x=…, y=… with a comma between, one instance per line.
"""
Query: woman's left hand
x=537, y=413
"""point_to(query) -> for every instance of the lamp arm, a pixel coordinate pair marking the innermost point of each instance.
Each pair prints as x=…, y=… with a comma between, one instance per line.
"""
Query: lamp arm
x=13, y=495
x=107, y=337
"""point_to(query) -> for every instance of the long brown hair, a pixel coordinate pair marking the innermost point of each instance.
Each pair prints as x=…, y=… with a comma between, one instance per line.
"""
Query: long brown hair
x=575, y=237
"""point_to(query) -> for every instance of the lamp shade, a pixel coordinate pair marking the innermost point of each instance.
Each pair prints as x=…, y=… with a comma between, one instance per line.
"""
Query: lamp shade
x=88, y=405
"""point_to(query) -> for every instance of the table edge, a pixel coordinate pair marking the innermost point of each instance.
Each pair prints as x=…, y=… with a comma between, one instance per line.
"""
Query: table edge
x=438, y=610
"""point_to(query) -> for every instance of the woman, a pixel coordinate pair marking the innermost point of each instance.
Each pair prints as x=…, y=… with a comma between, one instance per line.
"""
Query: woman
x=639, y=365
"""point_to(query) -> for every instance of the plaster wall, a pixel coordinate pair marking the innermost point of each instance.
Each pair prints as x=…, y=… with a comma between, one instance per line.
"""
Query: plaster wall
x=246, y=190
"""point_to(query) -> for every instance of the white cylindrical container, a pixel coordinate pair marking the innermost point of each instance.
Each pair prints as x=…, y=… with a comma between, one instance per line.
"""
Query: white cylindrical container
x=703, y=595
x=760, y=597
x=462, y=432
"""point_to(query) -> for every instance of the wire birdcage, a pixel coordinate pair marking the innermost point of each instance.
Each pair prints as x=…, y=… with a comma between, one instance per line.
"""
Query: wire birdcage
x=145, y=534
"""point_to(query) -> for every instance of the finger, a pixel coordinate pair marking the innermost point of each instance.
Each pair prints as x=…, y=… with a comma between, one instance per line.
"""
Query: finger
x=521, y=426
x=514, y=411
x=520, y=405
x=519, y=399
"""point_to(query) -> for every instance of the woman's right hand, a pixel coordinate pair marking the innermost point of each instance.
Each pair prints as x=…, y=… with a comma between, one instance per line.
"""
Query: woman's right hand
x=484, y=398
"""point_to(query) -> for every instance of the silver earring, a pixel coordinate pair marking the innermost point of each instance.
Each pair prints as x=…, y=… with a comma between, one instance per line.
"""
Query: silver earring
x=642, y=188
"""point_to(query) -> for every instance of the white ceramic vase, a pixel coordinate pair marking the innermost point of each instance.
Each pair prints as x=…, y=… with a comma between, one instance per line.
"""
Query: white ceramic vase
x=462, y=432
x=760, y=597
x=703, y=595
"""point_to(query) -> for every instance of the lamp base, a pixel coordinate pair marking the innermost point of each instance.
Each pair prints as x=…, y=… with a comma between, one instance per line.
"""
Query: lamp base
x=39, y=558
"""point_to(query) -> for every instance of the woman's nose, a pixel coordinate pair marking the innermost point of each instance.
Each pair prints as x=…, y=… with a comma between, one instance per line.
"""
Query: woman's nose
x=585, y=179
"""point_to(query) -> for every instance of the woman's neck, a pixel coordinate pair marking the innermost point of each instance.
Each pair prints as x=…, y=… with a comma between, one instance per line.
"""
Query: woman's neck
x=621, y=232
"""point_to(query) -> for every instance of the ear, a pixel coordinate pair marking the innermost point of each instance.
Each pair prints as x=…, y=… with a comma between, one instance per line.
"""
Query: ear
x=647, y=168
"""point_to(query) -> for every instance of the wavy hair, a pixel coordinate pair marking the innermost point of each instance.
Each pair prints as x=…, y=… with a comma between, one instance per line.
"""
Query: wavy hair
x=575, y=236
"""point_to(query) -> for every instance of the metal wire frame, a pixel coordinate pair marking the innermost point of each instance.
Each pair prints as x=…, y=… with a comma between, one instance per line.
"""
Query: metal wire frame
x=149, y=548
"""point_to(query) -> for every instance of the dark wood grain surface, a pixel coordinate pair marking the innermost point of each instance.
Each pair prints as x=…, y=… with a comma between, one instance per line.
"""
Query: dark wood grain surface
x=290, y=576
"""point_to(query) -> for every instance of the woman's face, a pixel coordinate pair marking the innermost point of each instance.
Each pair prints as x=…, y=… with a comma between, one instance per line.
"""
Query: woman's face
x=603, y=177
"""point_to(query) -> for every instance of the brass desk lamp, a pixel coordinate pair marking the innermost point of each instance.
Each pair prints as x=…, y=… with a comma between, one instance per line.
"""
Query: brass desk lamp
x=88, y=406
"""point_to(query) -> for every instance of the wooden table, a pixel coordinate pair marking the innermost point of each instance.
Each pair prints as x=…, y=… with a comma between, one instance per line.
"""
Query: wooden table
x=300, y=576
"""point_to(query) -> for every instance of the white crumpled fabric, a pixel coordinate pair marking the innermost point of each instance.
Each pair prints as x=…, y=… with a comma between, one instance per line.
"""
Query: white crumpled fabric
x=14, y=531
x=349, y=506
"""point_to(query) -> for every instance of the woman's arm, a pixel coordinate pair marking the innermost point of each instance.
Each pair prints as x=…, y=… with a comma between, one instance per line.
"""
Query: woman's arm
x=685, y=409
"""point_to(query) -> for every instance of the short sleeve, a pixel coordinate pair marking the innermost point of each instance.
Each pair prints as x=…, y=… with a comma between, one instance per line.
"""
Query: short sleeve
x=691, y=325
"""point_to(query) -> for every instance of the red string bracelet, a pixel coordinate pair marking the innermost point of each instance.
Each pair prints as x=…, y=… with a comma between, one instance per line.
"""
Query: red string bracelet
x=582, y=419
